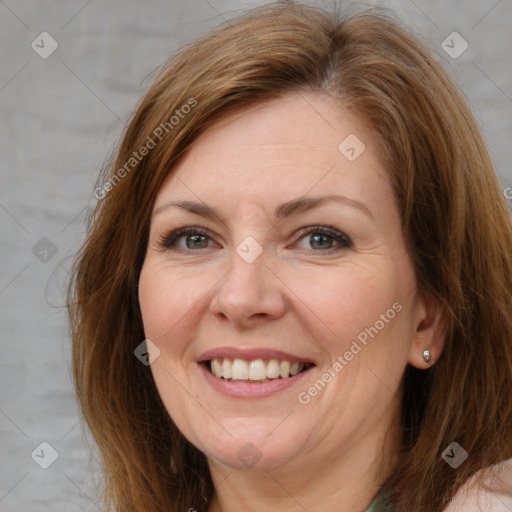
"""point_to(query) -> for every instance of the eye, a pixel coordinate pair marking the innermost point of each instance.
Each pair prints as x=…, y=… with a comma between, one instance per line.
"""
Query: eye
x=322, y=238
x=194, y=238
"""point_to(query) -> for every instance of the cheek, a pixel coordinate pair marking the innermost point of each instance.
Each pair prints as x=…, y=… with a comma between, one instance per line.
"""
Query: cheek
x=167, y=307
x=341, y=303
x=165, y=302
x=363, y=313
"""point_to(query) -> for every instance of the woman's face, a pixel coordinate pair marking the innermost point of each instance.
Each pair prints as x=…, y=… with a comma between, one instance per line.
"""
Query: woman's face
x=275, y=282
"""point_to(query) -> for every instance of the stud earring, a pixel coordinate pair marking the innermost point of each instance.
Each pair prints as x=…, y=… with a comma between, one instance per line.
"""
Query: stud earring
x=426, y=355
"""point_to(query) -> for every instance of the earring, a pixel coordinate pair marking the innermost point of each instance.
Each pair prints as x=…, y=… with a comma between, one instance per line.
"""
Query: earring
x=426, y=355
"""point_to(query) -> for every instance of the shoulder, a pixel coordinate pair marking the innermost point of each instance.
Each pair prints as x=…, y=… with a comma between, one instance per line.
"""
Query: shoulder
x=473, y=497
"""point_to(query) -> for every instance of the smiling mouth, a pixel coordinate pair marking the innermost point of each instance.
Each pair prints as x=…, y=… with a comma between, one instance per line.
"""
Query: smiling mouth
x=256, y=370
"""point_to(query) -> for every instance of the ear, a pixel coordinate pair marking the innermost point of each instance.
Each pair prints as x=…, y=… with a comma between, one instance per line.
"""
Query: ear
x=431, y=332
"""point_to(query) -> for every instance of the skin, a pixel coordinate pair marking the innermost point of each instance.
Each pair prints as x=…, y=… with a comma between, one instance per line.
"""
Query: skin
x=298, y=296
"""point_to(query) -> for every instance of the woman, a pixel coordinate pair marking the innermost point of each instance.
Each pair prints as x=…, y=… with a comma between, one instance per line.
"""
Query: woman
x=295, y=293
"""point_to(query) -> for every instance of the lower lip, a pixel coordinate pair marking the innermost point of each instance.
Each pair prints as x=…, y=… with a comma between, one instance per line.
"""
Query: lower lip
x=246, y=389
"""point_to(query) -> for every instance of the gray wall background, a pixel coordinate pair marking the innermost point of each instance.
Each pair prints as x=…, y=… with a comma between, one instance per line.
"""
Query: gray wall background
x=60, y=117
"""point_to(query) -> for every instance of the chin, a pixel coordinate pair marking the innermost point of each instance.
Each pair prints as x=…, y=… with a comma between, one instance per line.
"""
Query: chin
x=261, y=446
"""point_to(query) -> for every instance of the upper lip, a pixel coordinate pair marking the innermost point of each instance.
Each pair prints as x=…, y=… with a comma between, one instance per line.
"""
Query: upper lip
x=250, y=355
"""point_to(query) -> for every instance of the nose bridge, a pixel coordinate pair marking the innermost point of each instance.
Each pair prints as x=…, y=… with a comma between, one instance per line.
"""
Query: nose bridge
x=245, y=280
x=249, y=287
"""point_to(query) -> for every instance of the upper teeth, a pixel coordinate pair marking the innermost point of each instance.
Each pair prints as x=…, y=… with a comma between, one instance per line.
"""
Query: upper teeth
x=256, y=370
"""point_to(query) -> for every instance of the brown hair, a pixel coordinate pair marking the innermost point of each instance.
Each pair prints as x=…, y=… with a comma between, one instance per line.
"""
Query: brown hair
x=454, y=217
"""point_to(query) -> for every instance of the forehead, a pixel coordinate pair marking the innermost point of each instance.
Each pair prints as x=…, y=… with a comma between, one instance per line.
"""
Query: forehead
x=278, y=150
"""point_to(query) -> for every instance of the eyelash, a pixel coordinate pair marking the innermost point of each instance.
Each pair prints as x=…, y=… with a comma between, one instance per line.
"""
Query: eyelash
x=167, y=240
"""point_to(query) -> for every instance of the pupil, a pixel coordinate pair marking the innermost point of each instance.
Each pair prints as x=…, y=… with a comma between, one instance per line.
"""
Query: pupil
x=316, y=237
x=195, y=239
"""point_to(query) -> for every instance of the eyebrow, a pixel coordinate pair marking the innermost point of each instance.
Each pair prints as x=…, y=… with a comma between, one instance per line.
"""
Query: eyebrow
x=294, y=207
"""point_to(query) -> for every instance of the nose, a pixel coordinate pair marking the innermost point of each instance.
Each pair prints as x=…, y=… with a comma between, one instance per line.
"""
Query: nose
x=248, y=292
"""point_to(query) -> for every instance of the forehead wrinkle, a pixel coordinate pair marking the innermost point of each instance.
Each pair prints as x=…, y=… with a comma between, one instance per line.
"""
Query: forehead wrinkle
x=293, y=207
